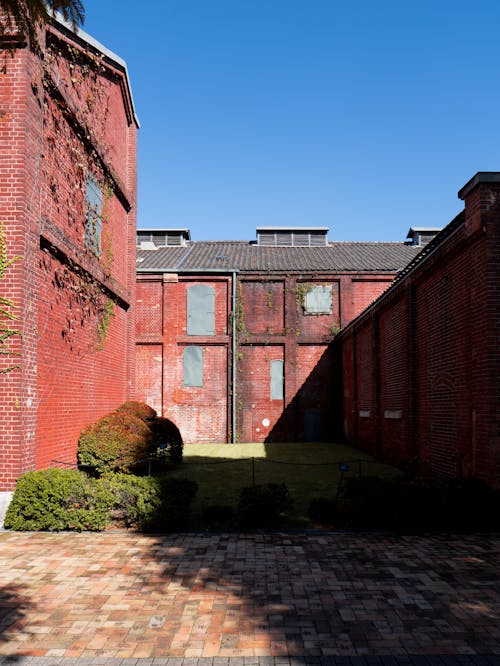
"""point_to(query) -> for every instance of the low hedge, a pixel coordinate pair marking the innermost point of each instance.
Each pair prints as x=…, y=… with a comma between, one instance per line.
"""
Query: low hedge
x=151, y=503
x=264, y=505
x=57, y=499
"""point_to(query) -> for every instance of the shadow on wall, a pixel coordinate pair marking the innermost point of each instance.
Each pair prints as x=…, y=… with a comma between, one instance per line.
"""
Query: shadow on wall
x=314, y=414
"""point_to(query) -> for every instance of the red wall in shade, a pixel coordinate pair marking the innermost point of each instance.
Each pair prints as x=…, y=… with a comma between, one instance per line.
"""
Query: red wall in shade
x=421, y=366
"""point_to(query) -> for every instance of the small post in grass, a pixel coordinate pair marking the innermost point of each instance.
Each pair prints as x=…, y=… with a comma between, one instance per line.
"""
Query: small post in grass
x=343, y=467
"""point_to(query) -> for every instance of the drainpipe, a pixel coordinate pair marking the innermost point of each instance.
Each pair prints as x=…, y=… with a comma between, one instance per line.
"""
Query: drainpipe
x=207, y=271
x=233, y=361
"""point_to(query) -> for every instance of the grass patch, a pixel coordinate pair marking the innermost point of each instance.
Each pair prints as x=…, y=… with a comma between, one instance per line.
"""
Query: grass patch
x=309, y=470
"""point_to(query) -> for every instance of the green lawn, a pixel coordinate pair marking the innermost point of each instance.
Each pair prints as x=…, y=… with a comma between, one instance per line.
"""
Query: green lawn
x=309, y=470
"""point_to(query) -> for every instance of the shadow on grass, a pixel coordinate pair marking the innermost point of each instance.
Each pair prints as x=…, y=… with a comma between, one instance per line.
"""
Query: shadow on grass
x=309, y=471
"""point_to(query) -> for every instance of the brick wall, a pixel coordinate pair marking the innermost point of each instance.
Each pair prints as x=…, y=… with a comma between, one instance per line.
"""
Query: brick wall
x=272, y=324
x=63, y=119
x=421, y=366
x=202, y=413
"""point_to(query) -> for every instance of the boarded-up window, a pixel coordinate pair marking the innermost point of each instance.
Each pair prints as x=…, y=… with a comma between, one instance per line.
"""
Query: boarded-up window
x=318, y=300
x=193, y=366
x=93, y=216
x=200, y=310
x=276, y=380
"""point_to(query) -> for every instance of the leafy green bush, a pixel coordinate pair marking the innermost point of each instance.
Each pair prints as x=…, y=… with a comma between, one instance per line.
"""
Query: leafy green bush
x=135, y=498
x=263, y=505
x=168, y=439
x=116, y=442
x=174, y=505
x=322, y=510
x=138, y=409
x=150, y=503
x=58, y=499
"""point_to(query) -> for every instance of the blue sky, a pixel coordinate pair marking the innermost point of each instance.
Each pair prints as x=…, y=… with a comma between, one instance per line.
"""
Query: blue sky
x=366, y=117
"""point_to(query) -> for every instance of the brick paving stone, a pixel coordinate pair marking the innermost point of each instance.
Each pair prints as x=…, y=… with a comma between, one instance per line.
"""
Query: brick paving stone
x=122, y=599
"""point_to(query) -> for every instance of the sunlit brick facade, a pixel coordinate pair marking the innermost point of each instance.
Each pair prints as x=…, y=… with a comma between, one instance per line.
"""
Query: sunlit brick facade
x=67, y=212
x=262, y=350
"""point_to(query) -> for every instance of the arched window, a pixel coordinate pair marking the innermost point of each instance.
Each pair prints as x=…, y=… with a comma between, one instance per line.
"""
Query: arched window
x=193, y=366
x=276, y=380
x=200, y=310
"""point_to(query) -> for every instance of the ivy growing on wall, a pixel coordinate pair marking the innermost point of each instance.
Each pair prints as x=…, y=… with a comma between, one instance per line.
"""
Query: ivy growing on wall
x=7, y=314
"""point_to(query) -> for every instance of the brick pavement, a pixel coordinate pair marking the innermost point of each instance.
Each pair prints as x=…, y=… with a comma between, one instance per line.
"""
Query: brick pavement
x=259, y=599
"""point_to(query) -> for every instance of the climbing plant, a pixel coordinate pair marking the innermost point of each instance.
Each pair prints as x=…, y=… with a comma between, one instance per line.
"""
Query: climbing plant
x=7, y=315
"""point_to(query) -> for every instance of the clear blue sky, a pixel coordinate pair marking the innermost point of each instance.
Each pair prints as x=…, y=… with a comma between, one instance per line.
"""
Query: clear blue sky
x=366, y=117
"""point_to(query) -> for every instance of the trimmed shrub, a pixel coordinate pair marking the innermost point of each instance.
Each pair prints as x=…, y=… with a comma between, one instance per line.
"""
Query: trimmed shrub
x=58, y=499
x=138, y=409
x=168, y=439
x=263, y=505
x=116, y=442
x=174, y=506
x=135, y=498
x=322, y=510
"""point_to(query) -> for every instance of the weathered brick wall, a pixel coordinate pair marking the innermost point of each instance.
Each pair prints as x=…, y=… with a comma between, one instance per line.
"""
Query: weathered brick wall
x=271, y=325
x=200, y=412
x=64, y=118
x=421, y=367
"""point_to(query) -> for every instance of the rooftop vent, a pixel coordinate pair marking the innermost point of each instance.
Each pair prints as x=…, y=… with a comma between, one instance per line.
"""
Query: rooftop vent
x=422, y=235
x=151, y=239
x=292, y=236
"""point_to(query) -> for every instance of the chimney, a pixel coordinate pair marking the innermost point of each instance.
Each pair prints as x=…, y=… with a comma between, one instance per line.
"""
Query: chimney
x=480, y=195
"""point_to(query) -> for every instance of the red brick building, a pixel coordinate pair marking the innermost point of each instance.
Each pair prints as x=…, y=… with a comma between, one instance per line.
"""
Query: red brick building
x=67, y=195
x=421, y=366
x=233, y=338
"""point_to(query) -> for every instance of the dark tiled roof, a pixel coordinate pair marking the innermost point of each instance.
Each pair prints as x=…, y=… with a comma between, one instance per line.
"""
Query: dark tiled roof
x=243, y=256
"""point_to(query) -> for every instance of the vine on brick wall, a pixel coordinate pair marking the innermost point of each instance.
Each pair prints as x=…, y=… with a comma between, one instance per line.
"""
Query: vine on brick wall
x=7, y=314
x=86, y=306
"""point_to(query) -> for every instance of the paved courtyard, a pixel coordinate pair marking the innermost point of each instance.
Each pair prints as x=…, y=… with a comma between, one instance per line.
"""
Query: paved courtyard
x=188, y=599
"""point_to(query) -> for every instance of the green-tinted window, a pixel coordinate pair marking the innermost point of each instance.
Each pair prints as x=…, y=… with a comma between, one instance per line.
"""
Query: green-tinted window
x=201, y=310
x=93, y=216
x=193, y=366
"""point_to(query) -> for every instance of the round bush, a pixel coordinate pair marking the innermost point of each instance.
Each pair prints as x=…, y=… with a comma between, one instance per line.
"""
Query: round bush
x=168, y=439
x=264, y=505
x=138, y=409
x=116, y=442
x=58, y=499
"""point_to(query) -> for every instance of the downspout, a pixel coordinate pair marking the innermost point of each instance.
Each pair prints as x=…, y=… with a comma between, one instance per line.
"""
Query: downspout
x=233, y=361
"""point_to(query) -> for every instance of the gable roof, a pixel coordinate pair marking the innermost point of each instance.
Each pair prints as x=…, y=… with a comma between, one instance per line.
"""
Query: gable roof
x=243, y=256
